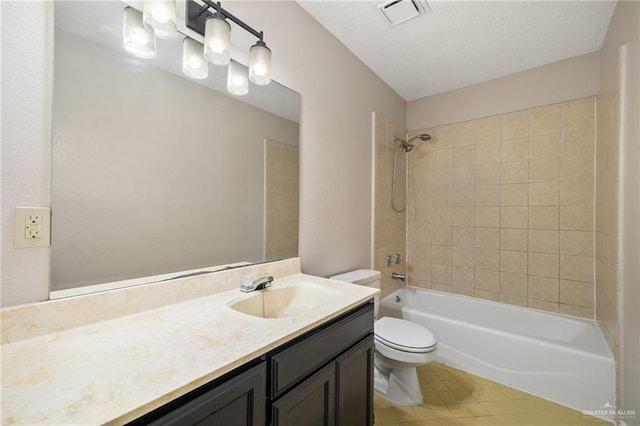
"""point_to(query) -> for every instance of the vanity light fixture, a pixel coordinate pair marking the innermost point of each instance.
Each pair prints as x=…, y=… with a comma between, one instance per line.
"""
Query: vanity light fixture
x=237, y=79
x=208, y=19
x=136, y=38
x=194, y=64
x=159, y=16
x=216, y=29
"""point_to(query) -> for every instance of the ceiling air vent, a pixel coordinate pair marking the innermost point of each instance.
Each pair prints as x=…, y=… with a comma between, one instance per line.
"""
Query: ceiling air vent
x=398, y=11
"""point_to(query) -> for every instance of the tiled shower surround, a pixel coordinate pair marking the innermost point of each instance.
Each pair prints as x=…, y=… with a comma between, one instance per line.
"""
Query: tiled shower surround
x=502, y=208
x=389, y=237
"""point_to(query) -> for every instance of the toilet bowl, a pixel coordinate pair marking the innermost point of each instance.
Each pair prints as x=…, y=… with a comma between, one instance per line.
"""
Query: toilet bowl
x=400, y=347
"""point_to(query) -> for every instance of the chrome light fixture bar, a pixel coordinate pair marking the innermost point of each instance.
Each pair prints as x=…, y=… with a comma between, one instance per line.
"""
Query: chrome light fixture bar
x=216, y=31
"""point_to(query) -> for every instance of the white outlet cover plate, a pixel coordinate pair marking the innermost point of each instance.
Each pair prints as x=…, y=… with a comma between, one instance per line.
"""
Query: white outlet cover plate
x=19, y=237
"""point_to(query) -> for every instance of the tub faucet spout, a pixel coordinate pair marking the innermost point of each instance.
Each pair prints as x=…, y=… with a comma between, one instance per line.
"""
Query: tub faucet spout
x=396, y=276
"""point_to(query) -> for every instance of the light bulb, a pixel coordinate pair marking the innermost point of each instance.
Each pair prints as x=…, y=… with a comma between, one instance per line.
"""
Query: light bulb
x=159, y=16
x=193, y=63
x=237, y=79
x=260, y=64
x=136, y=38
x=217, y=40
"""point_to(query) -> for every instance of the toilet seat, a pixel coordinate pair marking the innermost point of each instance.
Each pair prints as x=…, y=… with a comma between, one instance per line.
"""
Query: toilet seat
x=404, y=348
x=406, y=359
x=403, y=335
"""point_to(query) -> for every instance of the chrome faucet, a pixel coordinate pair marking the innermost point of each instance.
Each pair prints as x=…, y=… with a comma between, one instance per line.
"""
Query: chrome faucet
x=259, y=284
x=394, y=259
x=396, y=276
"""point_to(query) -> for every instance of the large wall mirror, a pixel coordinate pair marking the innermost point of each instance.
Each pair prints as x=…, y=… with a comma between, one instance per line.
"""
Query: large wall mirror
x=155, y=173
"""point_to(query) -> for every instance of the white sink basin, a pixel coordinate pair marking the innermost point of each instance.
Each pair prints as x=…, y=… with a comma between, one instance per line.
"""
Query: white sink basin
x=280, y=302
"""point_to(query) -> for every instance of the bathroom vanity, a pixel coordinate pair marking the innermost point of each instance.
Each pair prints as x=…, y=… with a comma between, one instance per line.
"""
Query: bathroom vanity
x=185, y=350
x=323, y=377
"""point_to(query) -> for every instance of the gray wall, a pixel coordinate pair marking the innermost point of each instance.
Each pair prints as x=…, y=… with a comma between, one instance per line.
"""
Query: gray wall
x=572, y=78
x=27, y=84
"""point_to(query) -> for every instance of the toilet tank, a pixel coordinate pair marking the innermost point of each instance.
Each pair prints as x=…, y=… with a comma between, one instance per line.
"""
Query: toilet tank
x=366, y=277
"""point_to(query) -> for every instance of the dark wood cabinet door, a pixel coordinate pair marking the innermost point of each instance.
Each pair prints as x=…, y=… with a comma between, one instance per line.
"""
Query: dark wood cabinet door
x=298, y=361
x=354, y=385
x=311, y=403
x=237, y=402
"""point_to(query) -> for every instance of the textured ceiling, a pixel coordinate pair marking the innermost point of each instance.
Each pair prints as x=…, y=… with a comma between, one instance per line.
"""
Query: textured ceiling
x=461, y=43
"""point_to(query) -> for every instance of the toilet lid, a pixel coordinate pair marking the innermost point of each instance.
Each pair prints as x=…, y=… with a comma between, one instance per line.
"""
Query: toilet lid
x=403, y=335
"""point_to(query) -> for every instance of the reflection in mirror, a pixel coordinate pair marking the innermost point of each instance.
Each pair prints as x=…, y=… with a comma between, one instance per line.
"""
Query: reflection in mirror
x=155, y=173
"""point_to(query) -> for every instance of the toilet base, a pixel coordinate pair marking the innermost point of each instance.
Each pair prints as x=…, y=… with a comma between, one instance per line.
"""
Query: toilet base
x=397, y=384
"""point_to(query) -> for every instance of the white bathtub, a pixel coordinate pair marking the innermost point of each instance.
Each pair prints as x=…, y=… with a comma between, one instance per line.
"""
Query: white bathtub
x=559, y=358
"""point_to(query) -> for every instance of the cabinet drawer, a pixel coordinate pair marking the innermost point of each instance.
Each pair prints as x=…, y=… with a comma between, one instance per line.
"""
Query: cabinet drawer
x=298, y=361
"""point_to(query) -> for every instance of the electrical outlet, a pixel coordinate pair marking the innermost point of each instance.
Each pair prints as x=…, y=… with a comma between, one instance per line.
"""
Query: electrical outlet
x=32, y=227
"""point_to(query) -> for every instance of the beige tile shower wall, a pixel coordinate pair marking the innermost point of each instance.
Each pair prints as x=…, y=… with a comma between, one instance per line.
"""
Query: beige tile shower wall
x=501, y=208
x=389, y=235
x=281, y=222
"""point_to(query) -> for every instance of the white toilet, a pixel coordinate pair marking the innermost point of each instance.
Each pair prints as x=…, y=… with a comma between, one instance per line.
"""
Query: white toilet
x=400, y=345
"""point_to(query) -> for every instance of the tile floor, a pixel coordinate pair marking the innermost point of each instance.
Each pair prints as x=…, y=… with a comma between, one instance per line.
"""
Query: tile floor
x=454, y=397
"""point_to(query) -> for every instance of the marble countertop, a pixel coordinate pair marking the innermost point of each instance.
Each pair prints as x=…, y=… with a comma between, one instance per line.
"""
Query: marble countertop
x=113, y=371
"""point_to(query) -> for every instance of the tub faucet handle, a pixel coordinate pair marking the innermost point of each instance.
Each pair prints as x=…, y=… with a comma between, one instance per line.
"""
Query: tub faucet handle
x=394, y=259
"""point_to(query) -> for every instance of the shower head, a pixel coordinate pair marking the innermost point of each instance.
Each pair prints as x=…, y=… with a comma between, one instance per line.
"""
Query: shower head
x=423, y=137
x=408, y=145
